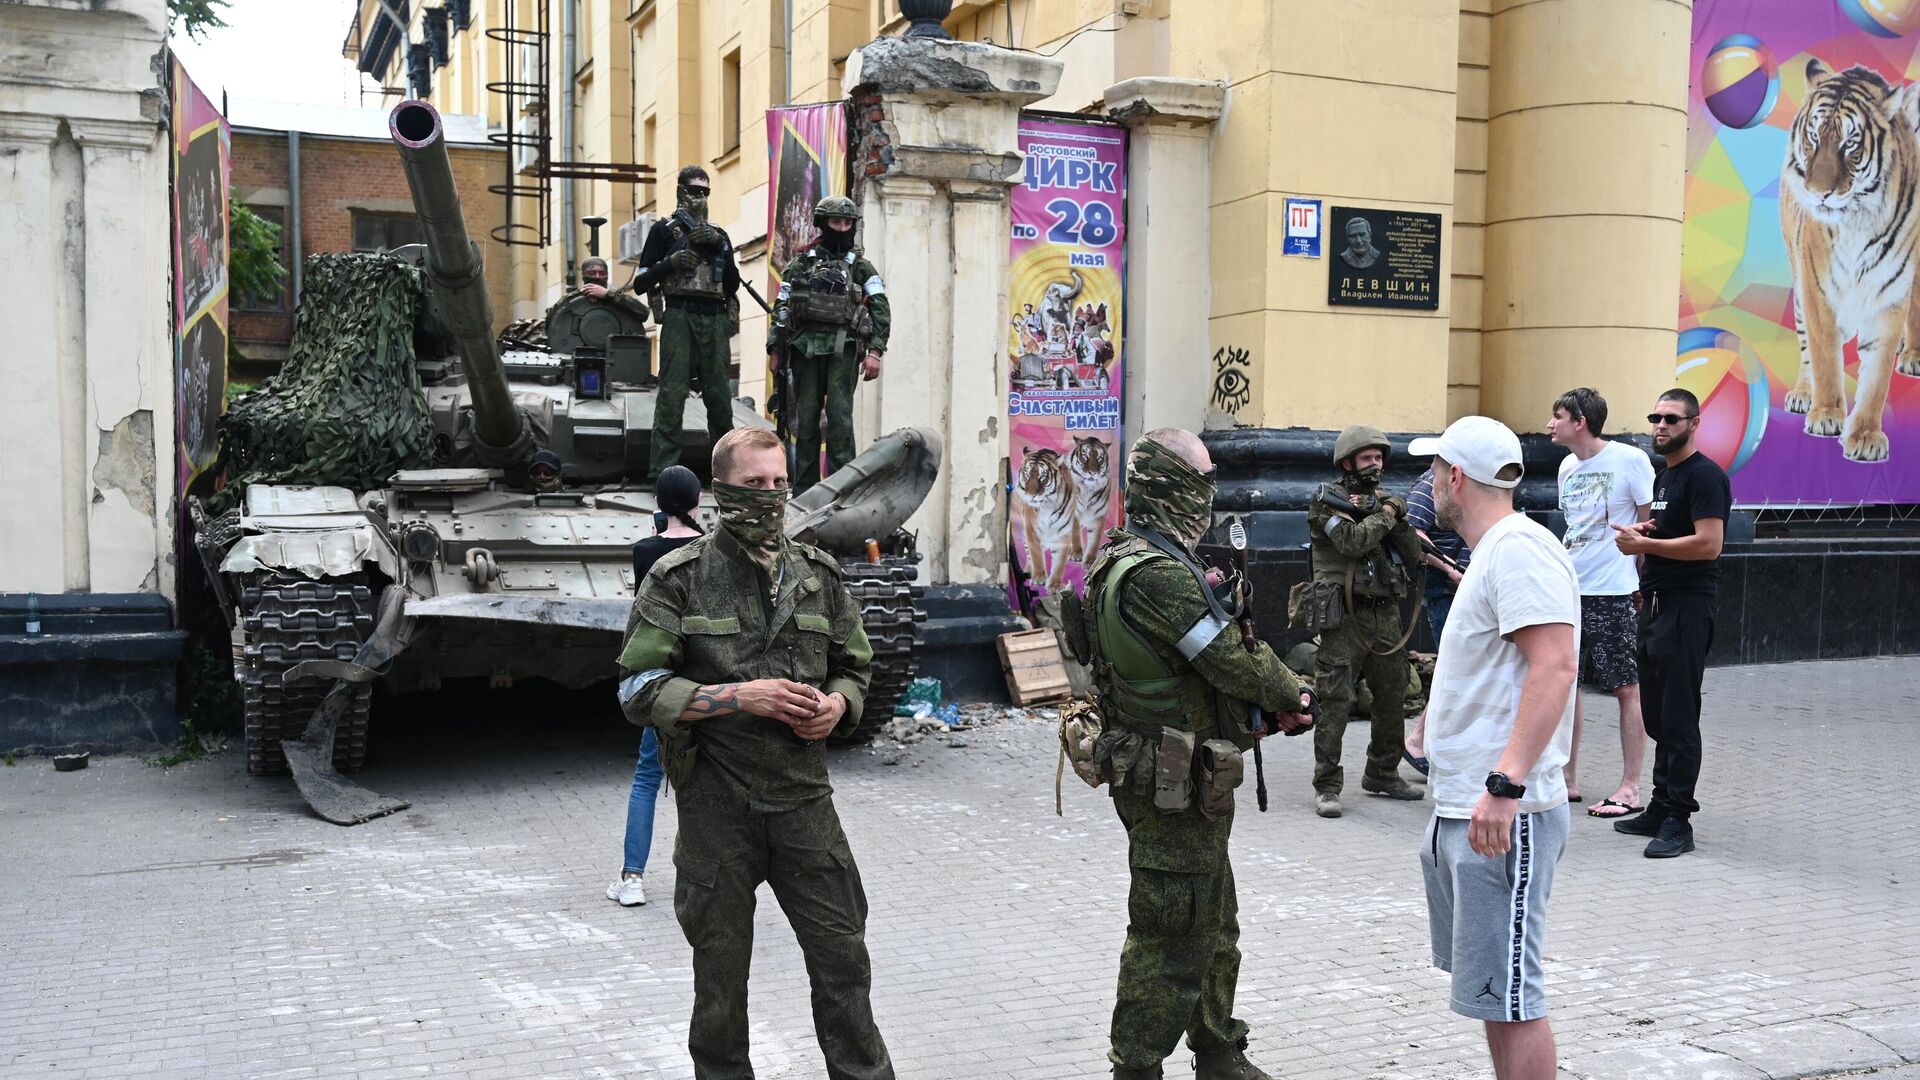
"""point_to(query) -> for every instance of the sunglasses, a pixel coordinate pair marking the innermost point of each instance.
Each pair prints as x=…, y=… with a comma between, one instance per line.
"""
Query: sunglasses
x=1669, y=419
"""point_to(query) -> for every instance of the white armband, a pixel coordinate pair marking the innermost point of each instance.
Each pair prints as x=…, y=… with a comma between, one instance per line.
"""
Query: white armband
x=875, y=287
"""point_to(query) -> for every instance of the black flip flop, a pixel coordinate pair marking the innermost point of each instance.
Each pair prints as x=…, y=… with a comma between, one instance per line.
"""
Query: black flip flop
x=1420, y=764
x=1629, y=811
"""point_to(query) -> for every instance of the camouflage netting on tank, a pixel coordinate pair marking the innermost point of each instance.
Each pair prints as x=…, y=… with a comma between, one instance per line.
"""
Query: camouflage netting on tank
x=347, y=407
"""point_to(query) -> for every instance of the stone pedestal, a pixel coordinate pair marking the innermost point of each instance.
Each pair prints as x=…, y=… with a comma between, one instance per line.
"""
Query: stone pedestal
x=1169, y=253
x=936, y=149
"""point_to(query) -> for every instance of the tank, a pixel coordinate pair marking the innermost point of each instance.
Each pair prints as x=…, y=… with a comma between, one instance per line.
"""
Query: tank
x=512, y=558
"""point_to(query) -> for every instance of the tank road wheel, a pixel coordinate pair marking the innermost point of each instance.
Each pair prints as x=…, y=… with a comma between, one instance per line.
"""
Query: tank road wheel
x=288, y=619
x=889, y=608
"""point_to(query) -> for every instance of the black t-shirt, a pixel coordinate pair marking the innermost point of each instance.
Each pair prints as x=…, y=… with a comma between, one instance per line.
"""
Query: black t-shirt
x=1683, y=494
x=652, y=550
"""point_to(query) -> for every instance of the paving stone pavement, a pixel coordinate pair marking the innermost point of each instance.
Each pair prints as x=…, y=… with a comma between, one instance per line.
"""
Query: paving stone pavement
x=193, y=923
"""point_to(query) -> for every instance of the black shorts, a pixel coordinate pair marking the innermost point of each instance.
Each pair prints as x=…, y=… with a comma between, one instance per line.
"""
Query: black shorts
x=1608, y=634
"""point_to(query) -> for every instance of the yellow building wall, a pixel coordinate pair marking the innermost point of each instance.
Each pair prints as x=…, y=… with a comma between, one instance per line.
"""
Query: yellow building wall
x=1469, y=235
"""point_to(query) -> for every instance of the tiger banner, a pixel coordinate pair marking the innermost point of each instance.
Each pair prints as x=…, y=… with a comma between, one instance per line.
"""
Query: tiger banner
x=1068, y=286
x=201, y=157
x=1799, y=330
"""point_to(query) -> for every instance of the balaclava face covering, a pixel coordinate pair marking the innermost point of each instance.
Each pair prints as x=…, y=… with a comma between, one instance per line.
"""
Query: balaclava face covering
x=1362, y=481
x=836, y=241
x=694, y=201
x=1167, y=494
x=756, y=517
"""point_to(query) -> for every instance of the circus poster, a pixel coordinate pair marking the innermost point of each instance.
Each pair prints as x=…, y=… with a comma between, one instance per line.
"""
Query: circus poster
x=1068, y=288
x=807, y=160
x=1802, y=170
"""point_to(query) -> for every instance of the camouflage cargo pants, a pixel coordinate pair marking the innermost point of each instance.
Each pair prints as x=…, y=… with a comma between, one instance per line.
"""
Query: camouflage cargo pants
x=691, y=346
x=823, y=381
x=721, y=855
x=1343, y=658
x=1181, y=961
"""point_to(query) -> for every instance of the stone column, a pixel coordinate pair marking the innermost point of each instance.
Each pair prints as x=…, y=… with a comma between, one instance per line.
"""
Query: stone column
x=941, y=135
x=1586, y=169
x=128, y=358
x=1169, y=250
x=44, y=528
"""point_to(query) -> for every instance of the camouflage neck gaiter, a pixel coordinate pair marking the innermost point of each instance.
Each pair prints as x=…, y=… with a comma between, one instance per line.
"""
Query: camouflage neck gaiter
x=1167, y=494
x=1362, y=481
x=755, y=517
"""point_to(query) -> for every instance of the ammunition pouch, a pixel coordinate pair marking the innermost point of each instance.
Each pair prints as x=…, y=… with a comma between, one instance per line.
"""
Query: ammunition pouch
x=824, y=308
x=1316, y=606
x=1173, y=771
x=1220, y=769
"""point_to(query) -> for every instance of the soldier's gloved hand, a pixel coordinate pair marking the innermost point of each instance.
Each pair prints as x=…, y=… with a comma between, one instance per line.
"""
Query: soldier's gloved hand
x=683, y=260
x=703, y=235
x=1395, y=505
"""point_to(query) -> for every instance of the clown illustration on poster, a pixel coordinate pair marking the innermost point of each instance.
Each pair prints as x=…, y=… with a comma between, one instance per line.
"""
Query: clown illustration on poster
x=1064, y=347
x=1799, y=329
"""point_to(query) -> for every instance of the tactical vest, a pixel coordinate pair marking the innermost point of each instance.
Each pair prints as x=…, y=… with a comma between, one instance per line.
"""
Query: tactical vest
x=821, y=294
x=704, y=281
x=1138, y=689
x=1376, y=576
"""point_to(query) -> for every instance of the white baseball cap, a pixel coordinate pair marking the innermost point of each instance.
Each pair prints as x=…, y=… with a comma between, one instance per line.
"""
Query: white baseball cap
x=1480, y=445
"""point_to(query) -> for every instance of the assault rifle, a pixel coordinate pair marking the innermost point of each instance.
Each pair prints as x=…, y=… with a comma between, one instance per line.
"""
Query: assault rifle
x=1257, y=718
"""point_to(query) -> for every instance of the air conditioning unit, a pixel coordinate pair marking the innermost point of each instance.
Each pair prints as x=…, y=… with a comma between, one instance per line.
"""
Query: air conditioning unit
x=526, y=147
x=633, y=238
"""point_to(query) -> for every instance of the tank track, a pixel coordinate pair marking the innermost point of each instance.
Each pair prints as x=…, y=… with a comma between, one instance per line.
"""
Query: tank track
x=889, y=609
x=288, y=619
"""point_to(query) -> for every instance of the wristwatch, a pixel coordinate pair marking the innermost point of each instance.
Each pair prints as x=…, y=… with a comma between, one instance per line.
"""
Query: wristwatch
x=1500, y=787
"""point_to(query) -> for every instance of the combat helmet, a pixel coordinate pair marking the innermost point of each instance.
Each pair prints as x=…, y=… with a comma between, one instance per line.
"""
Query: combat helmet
x=1357, y=438
x=835, y=206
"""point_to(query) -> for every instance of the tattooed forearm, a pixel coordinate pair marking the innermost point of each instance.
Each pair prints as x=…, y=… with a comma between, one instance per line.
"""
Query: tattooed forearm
x=714, y=700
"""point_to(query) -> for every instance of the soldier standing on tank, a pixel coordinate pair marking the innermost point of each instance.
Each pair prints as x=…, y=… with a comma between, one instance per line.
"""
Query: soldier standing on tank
x=1174, y=684
x=1362, y=537
x=688, y=263
x=830, y=322
x=593, y=286
x=744, y=651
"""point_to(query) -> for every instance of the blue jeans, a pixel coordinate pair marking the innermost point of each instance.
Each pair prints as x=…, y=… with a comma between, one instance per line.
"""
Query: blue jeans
x=646, y=791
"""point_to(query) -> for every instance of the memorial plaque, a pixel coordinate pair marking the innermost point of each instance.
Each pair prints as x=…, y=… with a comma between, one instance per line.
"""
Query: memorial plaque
x=1383, y=258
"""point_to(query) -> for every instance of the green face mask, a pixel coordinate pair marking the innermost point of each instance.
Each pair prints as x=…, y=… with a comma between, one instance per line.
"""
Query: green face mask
x=1167, y=494
x=1365, y=479
x=756, y=517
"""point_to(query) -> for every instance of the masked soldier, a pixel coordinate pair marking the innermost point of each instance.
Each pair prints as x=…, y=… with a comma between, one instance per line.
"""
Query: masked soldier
x=593, y=286
x=687, y=263
x=1361, y=537
x=830, y=323
x=744, y=650
x=1175, y=686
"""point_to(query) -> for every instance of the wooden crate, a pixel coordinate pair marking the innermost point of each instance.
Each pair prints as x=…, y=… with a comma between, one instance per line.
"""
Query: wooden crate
x=1034, y=667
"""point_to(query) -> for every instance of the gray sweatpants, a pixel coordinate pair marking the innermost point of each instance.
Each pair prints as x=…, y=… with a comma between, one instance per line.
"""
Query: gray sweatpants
x=1489, y=915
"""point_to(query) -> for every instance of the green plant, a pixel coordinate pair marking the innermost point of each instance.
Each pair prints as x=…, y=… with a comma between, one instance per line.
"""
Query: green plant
x=195, y=16
x=253, y=262
x=208, y=699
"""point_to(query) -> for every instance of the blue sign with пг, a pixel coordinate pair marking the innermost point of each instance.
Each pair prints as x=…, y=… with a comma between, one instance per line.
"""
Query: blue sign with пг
x=1303, y=228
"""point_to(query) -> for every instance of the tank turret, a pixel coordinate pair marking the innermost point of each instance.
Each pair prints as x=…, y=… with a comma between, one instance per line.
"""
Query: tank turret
x=502, y=437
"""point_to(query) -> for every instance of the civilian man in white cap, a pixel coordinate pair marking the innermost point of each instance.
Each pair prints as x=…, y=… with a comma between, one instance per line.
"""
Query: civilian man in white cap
x=1499, y=724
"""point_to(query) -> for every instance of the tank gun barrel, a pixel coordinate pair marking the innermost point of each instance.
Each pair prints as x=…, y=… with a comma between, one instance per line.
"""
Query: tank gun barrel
x=501, y=434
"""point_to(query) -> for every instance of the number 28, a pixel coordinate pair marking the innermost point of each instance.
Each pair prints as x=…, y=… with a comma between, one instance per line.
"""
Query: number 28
x=1072, y=224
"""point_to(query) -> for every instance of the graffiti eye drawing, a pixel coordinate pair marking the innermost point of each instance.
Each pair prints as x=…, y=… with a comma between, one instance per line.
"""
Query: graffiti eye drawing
x=1232, y=388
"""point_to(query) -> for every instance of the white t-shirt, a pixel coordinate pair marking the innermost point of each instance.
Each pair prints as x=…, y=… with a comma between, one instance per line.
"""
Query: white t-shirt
x=1606, y=489
x=1520, y=577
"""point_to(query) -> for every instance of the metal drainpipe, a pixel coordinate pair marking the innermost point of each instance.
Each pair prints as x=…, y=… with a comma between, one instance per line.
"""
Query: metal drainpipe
x=293, y=211
x=567, y=65
x=786, y=54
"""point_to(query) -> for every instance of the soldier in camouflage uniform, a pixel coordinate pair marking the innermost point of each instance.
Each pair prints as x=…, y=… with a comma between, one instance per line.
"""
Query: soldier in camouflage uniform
x=743, y=652
x=830, y=322
x=1364, y=537
x=1174, y=685
x=688, y=264
x=593, y=286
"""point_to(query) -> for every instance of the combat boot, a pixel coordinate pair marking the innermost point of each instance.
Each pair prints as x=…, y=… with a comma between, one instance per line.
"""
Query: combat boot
x=1136, y=1072
x=1228, y=1064
x=1393, y=788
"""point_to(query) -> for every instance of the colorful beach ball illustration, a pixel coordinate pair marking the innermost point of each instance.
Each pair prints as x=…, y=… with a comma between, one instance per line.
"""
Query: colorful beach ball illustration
x=1731, y=383
x=1883, y=18
x=1740, y=81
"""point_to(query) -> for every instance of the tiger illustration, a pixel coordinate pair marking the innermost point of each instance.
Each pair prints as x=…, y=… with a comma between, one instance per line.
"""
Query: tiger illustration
x=1847, y=210
x=1087, y=461
x=1047, y=496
